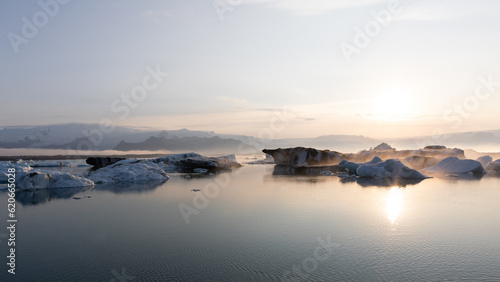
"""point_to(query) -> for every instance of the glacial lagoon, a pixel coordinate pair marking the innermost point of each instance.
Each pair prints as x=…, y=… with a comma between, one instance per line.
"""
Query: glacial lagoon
x=253, y=225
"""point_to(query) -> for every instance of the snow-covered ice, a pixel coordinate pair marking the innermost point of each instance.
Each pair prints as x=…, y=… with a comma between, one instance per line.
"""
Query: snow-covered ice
x=36, y=179
x=493, y=167
x=484, y=160
x=190, y=161
x=393, y=169
x=419, y=162
x=454, y=165
x=130, y=170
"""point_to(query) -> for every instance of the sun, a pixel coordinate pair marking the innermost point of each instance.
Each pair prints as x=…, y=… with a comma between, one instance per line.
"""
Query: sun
x=394, y=203
x=393, y=103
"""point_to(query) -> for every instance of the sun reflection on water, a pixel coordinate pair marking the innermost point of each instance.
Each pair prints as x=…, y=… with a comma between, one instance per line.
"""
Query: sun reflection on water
x=394, y=202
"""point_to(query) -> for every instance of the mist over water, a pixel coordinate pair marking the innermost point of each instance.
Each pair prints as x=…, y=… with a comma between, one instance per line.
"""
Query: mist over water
x=261, y=227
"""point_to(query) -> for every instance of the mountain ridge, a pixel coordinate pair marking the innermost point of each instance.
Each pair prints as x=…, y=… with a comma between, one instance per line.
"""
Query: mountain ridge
x=123, y=138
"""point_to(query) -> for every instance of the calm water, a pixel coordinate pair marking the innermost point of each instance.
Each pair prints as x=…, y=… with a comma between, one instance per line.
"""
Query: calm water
x=259, y=227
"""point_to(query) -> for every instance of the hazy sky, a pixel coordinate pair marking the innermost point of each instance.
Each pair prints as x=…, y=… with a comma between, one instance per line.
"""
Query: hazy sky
x=369, y=67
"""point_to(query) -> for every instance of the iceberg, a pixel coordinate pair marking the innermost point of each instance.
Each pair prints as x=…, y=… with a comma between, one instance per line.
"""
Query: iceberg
x=308, y=157
x=188, y=162
x=484, y=160
x=304, y=157
x=352, y=166
x=27, y=179
x=438, y=152
x=454, y=165
x=5, y=165
x=100, y=162
x=493, y=167
x=419, y=162
x=129, y=170
x=391, y=168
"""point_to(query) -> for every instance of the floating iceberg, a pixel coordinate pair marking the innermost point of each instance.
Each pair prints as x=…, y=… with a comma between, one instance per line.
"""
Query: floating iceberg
x=438, y=152
x=493, y=167
x=18, y=165
x=419, y=162
x=188, y=162
x=454, y=165
x=304, y=157
x=485, y=160
x=308, y=157
x=130, y=170
x=99, y=162
x=35, y=179
x=352, y=166
x=389, y=169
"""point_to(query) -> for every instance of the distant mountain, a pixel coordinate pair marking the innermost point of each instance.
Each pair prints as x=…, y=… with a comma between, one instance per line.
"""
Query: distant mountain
x=480, y=140
x=344, y=143
x=81, y=136
x=69, y=136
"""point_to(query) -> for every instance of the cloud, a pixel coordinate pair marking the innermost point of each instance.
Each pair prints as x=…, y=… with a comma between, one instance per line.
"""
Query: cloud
x=313, y=7
x=415, y=10
x=155, y=15
x=232, y=100
x=306, y=119
x=446, y=10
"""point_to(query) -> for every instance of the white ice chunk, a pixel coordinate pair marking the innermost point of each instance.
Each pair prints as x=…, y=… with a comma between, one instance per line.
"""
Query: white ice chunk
x=484, y=160
x=454, y=165
x=36, y=179
x=130, y=170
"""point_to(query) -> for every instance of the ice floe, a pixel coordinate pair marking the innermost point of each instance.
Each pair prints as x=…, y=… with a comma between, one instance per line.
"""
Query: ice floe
x=130, y=170
x=188, y=162
x=36, y=179
x=454, y=165
x=393, y=169
x=493, y=167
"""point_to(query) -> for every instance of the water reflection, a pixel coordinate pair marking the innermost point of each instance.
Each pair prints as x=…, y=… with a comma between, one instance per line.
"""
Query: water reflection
x=42, y=196
x=298, y=178
x=310, y=171
x=394, y=203
x=130, y=188
x=386, y=182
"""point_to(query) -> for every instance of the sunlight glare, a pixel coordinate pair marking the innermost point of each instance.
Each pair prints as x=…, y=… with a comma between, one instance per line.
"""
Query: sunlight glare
x=394, y=202
x=393, y=103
